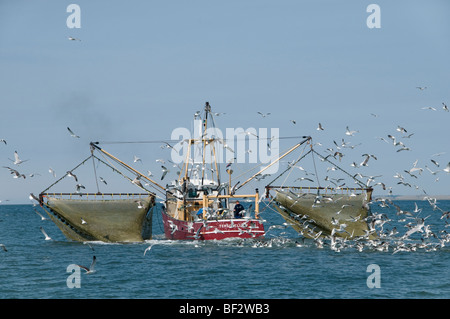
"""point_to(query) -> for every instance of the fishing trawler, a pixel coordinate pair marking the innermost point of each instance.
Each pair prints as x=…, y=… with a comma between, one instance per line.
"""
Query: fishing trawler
x=199, y=206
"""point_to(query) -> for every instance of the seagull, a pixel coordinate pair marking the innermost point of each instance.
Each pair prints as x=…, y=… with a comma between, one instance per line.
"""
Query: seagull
x=294, y=122
x=73, y=39
x=350, y=133
x=17, y=160
x=47, y=237
x=447, y=168
x=401, y=129
x=263, y=115
x=15, y=173
x=167, y=145
x=164, y=171
x=32, y=196
x=197, y=115
x=83, y=222
x=137, y=182
x=3, y=141
x=250, y=133
x=137, y=159
x=320, y=127
x=140, y=205
x=69, y=173
x=364, y=163
x=51, y=171
x=148, y=248
x=444, y=107
x=3, y=247
x=421, y=87
x=42, y=217
x=304, y=178
x=103, y=180
x=414, y=168
x=89, y=270
x=79, y=187
x=429, y=108
x=72, y=133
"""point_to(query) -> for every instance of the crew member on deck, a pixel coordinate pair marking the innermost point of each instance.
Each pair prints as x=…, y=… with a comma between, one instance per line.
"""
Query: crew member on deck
x=238, y=208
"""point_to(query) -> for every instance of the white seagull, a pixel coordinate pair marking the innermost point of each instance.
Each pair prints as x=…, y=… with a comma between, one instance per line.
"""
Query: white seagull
x=69, y=173
x=17, y=160
x=447, y=168
x=42, y=217
x=164, y=172
x=263, y=114
x=91, y=269
x=51, y=171
x=47, y=237
x=350, y=133
x=72, y=133
x=137, y=182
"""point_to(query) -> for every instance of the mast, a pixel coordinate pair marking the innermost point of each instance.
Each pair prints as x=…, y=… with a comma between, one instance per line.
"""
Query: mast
x=204, y=140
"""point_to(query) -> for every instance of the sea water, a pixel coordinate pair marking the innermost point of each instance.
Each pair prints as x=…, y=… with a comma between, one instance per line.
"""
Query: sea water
x=280, y=266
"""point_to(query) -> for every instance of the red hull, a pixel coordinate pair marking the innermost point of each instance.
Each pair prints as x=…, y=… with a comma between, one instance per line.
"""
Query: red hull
x=211, y=229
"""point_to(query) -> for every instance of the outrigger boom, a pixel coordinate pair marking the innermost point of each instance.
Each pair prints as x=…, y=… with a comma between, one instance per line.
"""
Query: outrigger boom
x=93, y=145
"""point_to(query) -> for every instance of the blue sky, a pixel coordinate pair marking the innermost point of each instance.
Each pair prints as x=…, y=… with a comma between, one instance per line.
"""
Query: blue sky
x=143, y=69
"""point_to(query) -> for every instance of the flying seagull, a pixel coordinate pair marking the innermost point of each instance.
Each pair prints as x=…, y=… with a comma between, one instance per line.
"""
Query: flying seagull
x=15, y=173
x=73, y=39
x=137, y=182
x=3, y=141
x=140, y=205
x=320, y=127
x=263, y=114
x=89, y=270
x=447, y=168
x=69, y=173
x=47, y=237
x=164, y=172
x=364, y=163
x=72, y=133
x=51, y=171
x=42, y=217
x=3, y=247
x=148, y=249
x=350, y=133
x=137, y=159
x=17, y=160
x=79, y=187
